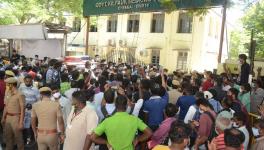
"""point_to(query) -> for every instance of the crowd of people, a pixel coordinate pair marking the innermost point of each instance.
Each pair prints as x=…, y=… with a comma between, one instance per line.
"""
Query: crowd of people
x=121, y=106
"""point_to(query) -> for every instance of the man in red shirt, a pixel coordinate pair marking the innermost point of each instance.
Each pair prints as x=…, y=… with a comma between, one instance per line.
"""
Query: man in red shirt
x=205, y=123
x=221, y=125
x=208, y=83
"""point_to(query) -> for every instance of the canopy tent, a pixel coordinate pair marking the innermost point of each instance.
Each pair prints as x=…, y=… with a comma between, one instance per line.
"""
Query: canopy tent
x=37, y=39
x=23, y=32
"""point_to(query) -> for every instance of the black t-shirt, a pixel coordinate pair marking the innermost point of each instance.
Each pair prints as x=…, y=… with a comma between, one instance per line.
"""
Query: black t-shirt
x=245, y=70
x=15, y=58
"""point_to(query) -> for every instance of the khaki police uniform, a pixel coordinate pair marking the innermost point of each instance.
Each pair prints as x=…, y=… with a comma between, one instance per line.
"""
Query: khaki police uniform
x=47, y=113
x=9, y=73
x=13, y=111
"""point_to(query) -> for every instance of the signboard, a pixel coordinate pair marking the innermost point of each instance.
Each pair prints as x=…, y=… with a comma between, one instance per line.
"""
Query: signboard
x=102, y=7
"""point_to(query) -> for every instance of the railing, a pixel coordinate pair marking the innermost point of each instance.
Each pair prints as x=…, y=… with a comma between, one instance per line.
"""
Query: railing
x=125, y=56
x=252, y=118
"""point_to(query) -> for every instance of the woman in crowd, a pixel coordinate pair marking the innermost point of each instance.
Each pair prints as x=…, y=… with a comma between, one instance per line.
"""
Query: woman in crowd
x=244, y=95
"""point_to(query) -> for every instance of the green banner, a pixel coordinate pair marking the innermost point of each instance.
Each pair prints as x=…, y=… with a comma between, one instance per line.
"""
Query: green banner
x=103, y=7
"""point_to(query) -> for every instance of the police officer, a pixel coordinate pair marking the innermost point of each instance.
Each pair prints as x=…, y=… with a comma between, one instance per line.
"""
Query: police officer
x=9, y=74
x=31, y=94
x=13, y=116
x=47, y=113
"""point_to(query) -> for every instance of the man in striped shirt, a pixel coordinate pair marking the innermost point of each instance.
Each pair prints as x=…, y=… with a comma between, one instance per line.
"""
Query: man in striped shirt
x=221, y=124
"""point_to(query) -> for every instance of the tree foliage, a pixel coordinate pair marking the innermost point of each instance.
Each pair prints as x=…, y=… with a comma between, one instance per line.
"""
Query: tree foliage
x=254, y=20
x=37, y=11
x=170, y=6
x=239, y=43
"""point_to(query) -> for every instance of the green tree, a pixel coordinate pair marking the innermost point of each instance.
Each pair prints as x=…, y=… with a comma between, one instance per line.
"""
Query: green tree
x=170, y=6
x=253, y=20
x=238, y=43
x=37, y=11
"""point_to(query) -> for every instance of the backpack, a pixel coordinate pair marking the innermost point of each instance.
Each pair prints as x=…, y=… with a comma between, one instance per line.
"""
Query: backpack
x=212, y=131
x=132, y=109
x=105, y=113
x=197, y=114
x=244, y=110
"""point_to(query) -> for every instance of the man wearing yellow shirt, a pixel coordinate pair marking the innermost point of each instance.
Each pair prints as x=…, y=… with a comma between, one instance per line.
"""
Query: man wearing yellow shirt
x=179, y=136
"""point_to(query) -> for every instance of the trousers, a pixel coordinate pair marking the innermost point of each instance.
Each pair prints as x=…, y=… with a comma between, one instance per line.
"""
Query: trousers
x=12, y=134
x=47, y=141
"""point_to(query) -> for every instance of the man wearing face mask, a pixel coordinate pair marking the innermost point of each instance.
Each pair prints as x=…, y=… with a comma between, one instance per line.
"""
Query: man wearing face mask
x=257, y=96
x=239, y=123
x=13, y=116
x=64, y=102
x=259, y=144
x=31, y=94
x=205, y=124
x=81, y=122
x=46, y=118
x=237, y=106
x=221, y=125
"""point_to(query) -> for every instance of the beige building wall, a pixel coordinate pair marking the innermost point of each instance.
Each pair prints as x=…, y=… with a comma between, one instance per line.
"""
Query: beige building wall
x=202, y=44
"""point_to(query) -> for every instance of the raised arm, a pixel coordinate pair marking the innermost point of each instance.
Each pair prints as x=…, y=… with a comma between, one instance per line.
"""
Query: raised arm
x=164, y=83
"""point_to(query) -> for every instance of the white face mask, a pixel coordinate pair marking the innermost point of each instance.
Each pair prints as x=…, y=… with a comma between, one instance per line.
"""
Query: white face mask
x=255, y=132
x=235, y=125
x=240, y=90
x=188, y=144
x=52, y=98
x=201, y=111
x=57, y=95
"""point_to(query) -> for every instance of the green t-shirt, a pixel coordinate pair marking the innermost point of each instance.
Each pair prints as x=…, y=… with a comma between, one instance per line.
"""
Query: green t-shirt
x=237, y=87
x=64, y=86
x=120, y=130
x=245, y=100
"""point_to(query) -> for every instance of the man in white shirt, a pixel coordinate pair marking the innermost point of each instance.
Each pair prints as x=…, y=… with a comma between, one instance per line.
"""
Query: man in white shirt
x=134, y=108
x=108, y=107
x=80, y=124
x=239, y=123
x=98, y=99
x=65, y=103
x=32, y=95
x=193, y=112
x=74, y=88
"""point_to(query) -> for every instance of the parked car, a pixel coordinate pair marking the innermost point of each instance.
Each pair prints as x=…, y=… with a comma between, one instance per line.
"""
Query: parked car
x=78, y=61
